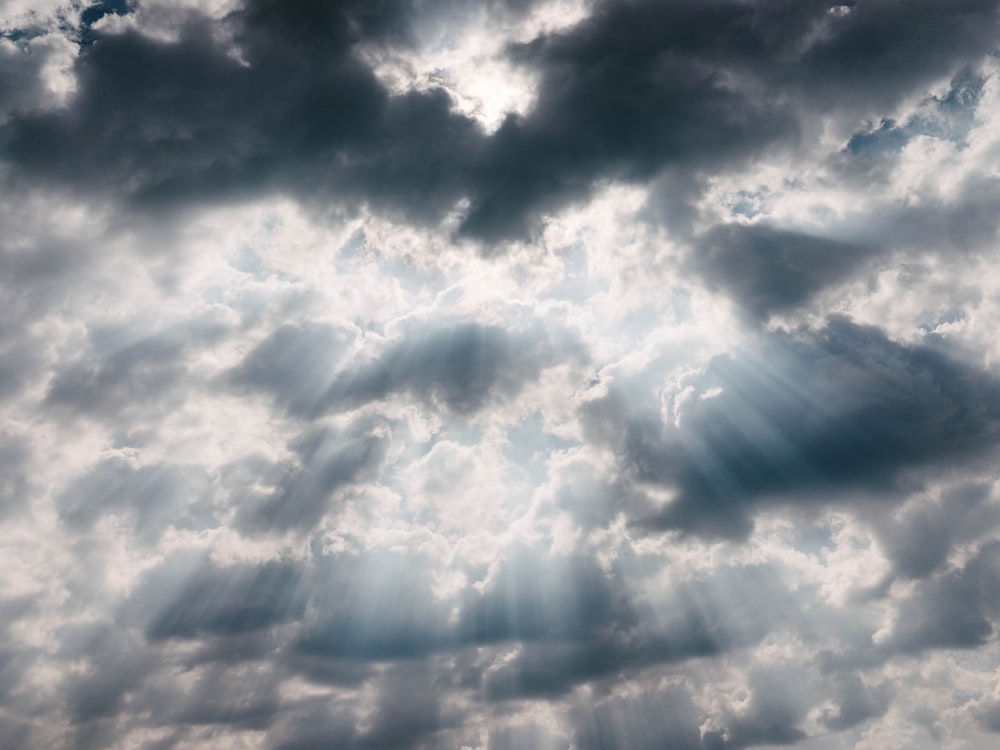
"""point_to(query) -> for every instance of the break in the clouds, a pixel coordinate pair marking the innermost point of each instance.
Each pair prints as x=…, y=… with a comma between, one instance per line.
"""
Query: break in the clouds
x=546, y=374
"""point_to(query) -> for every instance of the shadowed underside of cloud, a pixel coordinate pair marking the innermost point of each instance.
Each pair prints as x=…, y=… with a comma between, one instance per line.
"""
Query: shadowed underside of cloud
x=327, y=461
x=286, y=103
x=459, y=368
x=188, y=598
x=829, y=415
x=766, y=270
x=152, y=497
x=462, y=368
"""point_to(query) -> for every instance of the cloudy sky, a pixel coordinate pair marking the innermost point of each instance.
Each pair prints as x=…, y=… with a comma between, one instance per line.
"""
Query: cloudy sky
x=499, y=374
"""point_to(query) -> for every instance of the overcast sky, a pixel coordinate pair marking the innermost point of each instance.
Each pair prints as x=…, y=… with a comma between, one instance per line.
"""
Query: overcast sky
x=499, y=374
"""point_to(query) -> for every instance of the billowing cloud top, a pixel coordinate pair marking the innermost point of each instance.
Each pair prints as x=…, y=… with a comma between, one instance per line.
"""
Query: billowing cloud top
x=544, y=374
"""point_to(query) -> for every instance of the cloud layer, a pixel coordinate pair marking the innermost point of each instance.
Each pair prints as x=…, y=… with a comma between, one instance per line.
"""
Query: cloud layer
x=525, y=374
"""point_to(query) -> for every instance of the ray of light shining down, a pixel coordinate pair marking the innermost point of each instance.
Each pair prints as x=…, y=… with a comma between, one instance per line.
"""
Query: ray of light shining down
x=501, y=375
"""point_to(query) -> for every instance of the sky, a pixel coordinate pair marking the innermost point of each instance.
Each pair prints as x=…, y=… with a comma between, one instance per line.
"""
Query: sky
x=499, y=374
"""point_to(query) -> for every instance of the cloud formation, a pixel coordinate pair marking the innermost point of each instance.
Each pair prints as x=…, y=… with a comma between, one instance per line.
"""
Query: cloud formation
x=551, y=374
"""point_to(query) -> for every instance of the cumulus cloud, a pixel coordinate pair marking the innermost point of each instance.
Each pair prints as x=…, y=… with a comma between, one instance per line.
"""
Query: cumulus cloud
x=803, y=419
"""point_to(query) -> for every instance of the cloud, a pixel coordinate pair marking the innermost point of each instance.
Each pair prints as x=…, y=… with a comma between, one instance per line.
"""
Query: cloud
x=766, y=270
x=328, y=460
x=542, y=373
x=462, y=368
x=155, y=497
x=952, y=610
x=187, y=598
x=807, y=418
x=632, y=89
x=295, y=363
x=285, y=103
x=655, y=719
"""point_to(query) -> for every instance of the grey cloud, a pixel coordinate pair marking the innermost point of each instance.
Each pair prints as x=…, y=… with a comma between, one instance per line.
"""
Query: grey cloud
x=155, y=496
x=707, y=617
x=20, y=364
x=806, y=418
x=16, y=732
x=295, y=363
x=187, y=597
x=766, y=270
x=218, y=697
x=532, y=598
x=403, y=710
x=127, y=370
x=959, y=227
x=856, y=702
x=953, y=609
x=652, y=719
x=384, y=609
x=639, y=87
x=15, y=489
x=989, y=717
x=115, y=665
x=169, y=124
x=328, y=460
x=407, y=709
x=21, y=65
x=462, y=368
x=956, y=609
x=525, y=735
x=771, y=716
x=919, y=538
x=631, y=90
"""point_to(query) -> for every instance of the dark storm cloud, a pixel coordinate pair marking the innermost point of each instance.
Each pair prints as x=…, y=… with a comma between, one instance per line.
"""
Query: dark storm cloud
x=632, y=89
x=808, y=417
x=162, y=124
x=766, y=270
x=700, y=87
x=462, y=368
